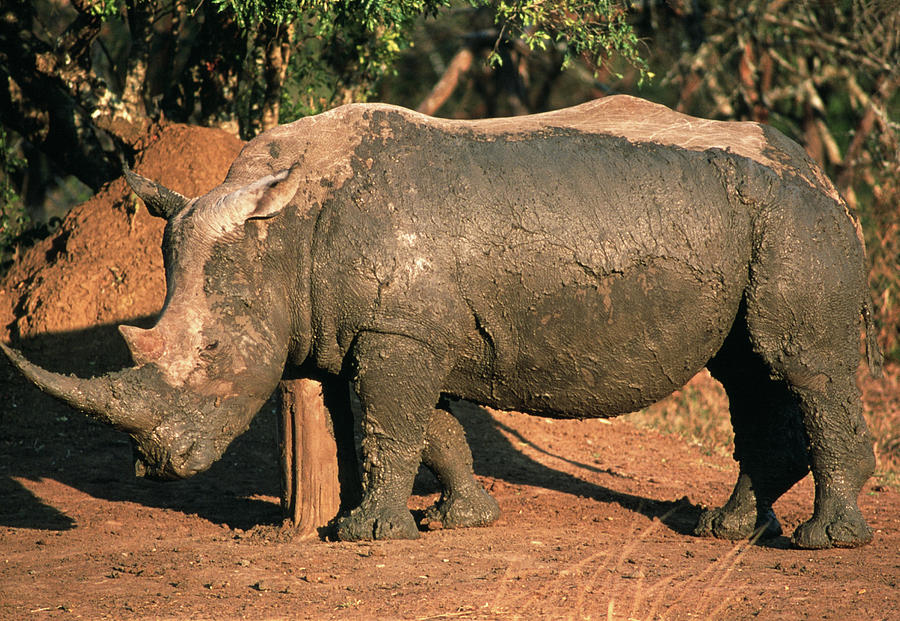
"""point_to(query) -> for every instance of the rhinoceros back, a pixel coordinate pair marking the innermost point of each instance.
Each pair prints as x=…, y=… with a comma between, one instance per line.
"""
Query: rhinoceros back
x=553, y=264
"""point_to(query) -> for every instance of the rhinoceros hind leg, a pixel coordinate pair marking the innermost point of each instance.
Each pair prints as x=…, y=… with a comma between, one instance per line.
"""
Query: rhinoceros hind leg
x=804, y=317
x=769, y=440
x=836, y=526
x=842, y=461
x=463, y=502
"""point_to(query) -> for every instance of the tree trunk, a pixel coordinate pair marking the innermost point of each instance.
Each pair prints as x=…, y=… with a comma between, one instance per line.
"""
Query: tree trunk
x=320, y=476
x=278, y=56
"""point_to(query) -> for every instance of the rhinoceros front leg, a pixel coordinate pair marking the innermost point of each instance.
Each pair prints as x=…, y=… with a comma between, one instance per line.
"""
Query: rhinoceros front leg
x=397, y=380
x=463, y=502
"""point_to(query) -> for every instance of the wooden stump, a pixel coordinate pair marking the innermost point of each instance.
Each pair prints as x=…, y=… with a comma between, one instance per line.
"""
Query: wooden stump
x=319, y=472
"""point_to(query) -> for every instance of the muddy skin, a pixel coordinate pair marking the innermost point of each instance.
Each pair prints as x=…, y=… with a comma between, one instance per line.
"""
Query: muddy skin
x=580, y=263
x=463, y=501
x=764, y=363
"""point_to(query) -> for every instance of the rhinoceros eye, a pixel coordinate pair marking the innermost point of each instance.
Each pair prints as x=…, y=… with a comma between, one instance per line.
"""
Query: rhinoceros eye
x=212, y=346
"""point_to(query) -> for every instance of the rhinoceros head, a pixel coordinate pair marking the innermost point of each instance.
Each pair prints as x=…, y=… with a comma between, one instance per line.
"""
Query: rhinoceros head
x=219, y=346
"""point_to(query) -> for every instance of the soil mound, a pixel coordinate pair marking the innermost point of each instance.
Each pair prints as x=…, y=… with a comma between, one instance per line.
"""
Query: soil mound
x=104, y=265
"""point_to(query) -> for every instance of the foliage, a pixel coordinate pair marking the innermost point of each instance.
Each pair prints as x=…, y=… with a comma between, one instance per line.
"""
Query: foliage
x=13, y=217
x=594, y=30
x=334, y=52
x=88, y=77
x=103, y=9
x=340, y=50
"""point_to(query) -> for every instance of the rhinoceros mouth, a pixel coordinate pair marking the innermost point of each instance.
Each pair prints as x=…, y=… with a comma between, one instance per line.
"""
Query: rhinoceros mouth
x=174, y=450
x=165, y=456
x=171, y=469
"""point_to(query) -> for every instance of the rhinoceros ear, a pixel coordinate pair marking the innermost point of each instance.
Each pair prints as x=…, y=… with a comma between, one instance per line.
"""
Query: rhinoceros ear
x=273, y=195
x=160, y=200
x=145, y=345
x=261, y=199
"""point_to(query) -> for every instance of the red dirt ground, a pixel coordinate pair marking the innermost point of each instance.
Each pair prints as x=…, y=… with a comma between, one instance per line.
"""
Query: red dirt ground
x=596, y=514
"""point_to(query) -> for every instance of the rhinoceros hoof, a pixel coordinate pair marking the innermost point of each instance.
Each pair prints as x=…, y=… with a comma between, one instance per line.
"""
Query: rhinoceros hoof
x=731, y=525
x=843, y=529
x=378, y=523
x=462, y=511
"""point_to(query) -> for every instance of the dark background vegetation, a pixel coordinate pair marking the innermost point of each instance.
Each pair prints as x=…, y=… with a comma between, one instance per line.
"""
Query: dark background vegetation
x=85, y=80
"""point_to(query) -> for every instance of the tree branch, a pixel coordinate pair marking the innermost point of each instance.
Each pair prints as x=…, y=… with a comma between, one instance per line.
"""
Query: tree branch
x=459, y=66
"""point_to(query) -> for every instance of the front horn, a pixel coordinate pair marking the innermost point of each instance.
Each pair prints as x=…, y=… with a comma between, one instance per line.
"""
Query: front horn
x=123, y=399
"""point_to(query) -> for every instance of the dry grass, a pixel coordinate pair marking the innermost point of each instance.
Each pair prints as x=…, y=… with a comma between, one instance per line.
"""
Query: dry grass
x=698, y=412
x=881, y=407
x=617, y=583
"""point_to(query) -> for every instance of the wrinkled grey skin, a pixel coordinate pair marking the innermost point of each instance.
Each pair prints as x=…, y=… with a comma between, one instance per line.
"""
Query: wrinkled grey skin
x=581, y=263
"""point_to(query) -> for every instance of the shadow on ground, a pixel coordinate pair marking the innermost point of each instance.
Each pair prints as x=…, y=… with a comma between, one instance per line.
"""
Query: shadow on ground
x=41, y=438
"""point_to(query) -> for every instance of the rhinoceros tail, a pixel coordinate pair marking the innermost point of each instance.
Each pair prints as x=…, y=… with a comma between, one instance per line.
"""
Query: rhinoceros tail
x=874, y=355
